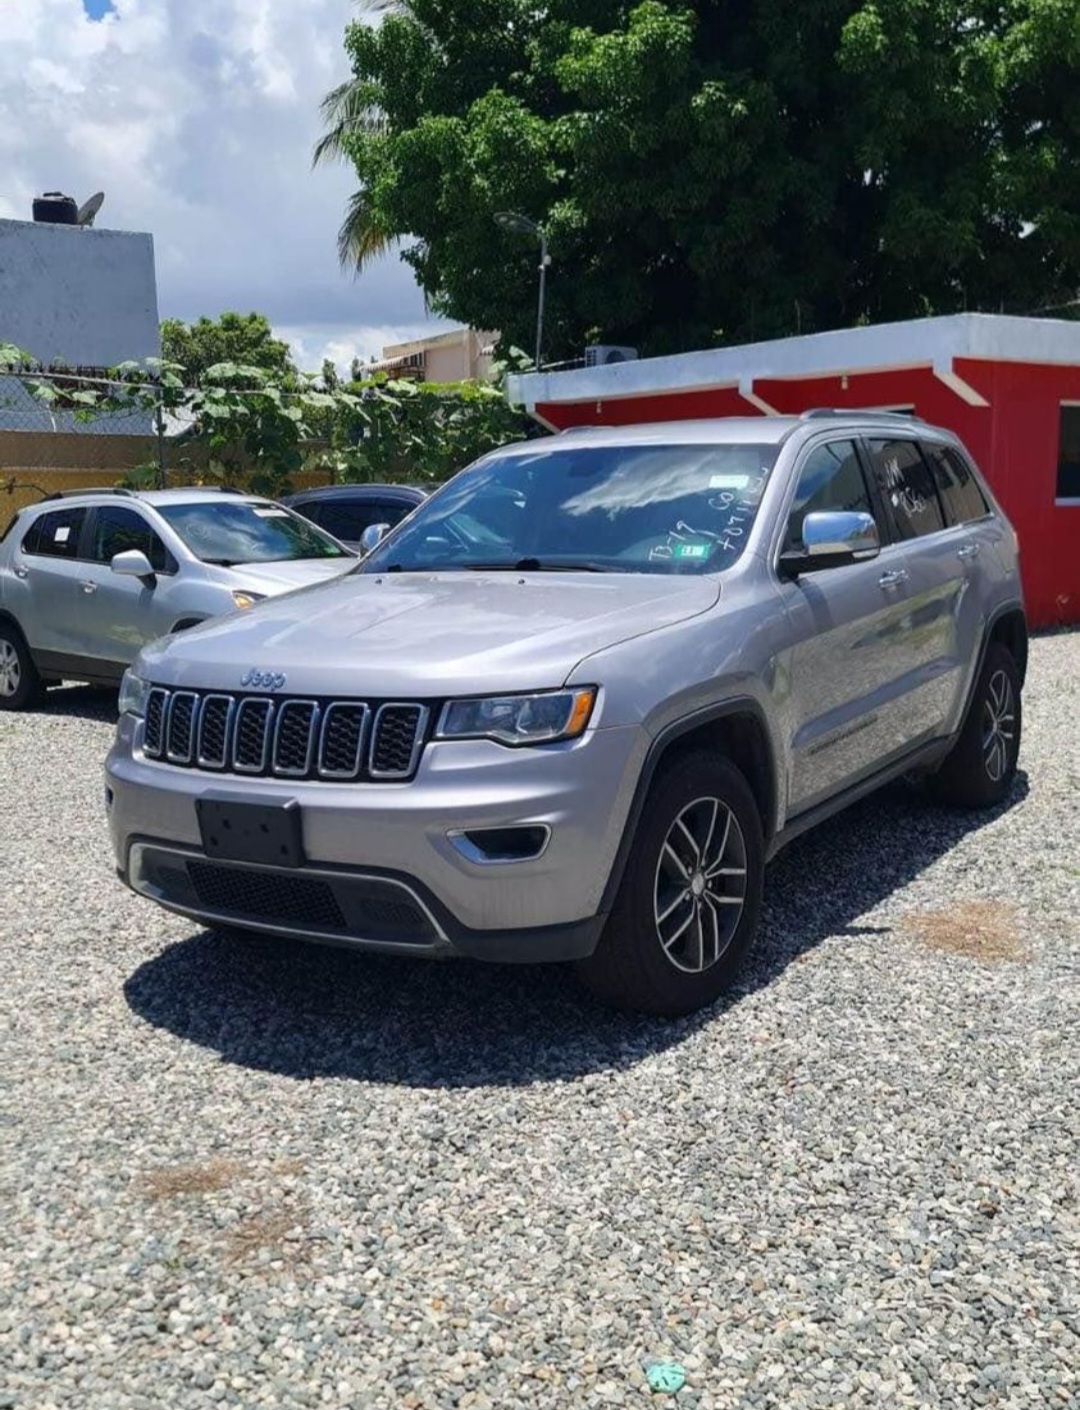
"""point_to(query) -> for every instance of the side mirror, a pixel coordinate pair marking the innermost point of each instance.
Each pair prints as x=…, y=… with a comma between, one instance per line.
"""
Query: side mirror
x=372, y=536
x=831, y=539
x=133, y=564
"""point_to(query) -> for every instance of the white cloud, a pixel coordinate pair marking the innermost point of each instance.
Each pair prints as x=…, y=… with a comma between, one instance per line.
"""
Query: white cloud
x=198, y=120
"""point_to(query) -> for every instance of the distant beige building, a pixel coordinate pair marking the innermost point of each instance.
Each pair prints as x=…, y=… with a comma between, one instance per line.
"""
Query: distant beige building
x=462, y=355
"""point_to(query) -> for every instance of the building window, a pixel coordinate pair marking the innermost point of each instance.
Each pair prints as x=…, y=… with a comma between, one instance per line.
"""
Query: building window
x=1068, y=470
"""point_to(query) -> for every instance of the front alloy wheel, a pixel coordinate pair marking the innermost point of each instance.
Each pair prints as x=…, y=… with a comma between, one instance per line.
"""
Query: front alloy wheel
x=700, y=886
x=686, y=911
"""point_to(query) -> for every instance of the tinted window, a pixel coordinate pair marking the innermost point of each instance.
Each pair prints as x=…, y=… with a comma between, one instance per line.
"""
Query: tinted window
x=905, y=481
x=243, y=531
x=348, y=521
x=118, y=530
x=620, y=508
x=957, y=486
x=831, y=478
x=55, y=535
x=1068, y=475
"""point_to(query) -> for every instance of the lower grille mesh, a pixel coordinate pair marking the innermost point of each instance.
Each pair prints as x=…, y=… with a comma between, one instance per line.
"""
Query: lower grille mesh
x=267, y=897
x=372, y=909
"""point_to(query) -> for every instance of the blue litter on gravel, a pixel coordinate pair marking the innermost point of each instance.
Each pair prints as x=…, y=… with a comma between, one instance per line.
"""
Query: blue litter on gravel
x=665, y=1377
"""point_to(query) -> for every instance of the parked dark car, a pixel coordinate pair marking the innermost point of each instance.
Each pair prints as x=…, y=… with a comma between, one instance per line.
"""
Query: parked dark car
x=345, y=511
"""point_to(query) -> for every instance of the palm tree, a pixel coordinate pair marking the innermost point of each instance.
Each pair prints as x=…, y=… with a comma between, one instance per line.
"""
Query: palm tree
x=347, y=111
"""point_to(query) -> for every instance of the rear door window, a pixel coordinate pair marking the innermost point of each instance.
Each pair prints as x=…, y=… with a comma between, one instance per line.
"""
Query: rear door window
x=56, y=534
x=964, y=501
x=907, y=486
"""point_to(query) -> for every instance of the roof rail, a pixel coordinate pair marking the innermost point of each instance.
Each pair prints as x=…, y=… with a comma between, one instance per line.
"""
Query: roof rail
x=824, y=413
x=109, y=489
x=186, y=489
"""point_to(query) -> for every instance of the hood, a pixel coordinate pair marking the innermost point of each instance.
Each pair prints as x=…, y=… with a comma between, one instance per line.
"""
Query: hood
x=428, y=635
x=272, y=578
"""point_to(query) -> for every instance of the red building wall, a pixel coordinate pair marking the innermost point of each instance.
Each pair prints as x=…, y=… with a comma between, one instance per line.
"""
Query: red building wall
x=1014, y=439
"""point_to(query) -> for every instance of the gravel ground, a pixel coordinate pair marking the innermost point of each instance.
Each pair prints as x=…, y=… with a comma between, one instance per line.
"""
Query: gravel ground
x=272, y=1175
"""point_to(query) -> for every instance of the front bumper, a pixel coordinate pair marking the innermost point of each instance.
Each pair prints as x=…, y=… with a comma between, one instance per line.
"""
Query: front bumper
x=381, y=868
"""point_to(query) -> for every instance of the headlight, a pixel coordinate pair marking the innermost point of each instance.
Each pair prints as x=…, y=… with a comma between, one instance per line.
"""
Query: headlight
x=133, y=694
x=247, y=599
x=519, y=719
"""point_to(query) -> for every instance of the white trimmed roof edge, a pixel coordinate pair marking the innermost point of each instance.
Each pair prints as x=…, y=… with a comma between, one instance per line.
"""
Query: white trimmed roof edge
x=922, y=342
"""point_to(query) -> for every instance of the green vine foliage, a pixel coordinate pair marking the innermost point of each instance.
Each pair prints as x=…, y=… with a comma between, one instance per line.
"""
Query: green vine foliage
x=243, y=426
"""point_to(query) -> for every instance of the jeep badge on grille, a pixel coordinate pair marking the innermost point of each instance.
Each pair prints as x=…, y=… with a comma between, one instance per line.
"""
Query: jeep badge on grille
x=263, y=680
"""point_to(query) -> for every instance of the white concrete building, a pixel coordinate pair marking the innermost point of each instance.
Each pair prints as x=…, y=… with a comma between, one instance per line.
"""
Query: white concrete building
x=82, y=296
x=461, y=355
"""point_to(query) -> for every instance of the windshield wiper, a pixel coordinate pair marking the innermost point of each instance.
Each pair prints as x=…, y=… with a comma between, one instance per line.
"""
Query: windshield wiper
x=496, y=565
x=223, y=562
x=535, y=565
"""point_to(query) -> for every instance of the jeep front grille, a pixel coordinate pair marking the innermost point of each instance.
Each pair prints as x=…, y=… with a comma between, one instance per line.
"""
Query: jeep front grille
x=397, y=738
x=341, y=741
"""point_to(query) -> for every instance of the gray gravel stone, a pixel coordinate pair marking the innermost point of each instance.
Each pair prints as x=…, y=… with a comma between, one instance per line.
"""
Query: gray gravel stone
x=269, y=1175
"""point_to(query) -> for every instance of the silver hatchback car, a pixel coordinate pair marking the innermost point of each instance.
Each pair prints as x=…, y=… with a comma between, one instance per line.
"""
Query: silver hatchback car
x=571, y=706
x=88, y=579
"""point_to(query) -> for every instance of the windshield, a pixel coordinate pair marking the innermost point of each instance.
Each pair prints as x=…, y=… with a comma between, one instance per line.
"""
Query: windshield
x=624, y=509
x=227, y=532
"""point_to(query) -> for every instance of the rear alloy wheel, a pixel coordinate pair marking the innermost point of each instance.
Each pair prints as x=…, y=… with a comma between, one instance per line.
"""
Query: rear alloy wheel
x=998, y=725
x=687, y=909
x=20, y=685
x=979, y=771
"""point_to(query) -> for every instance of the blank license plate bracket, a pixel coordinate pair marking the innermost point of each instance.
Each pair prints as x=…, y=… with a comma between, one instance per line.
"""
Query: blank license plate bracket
x=266, y=833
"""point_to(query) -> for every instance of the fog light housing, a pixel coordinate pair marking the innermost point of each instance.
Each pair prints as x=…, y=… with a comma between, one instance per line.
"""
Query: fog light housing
x=488, y=846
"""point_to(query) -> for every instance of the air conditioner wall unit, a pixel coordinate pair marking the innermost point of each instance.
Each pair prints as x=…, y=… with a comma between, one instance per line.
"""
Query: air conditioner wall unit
x=603, y=355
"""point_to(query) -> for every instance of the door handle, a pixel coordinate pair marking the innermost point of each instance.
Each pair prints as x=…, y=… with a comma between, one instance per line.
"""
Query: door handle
x=970, y=550
x=89, y=587
x=893, y=578
x=21, y=572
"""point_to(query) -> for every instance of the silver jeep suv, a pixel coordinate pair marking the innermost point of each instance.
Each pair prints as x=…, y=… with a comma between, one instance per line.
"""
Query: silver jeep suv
x=88, y=578
x=570, y=708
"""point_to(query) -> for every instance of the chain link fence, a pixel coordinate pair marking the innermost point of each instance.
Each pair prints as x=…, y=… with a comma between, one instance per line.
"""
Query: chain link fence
x=64, y=429
x=60, y=445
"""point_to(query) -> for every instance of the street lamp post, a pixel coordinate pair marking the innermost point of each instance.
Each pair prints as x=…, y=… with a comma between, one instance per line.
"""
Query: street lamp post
x=521, y=225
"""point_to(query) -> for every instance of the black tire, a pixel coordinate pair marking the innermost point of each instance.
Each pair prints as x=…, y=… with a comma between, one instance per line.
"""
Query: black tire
x=21, y=687
x=632, y=968
x=979, y=770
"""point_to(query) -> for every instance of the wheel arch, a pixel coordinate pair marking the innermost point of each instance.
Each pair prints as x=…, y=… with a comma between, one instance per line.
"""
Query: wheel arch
x=736, y=730
x=1009, y=626
x=9, y=619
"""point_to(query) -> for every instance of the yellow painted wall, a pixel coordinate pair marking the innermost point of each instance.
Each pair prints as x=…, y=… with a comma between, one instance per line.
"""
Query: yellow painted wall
x=52, y=461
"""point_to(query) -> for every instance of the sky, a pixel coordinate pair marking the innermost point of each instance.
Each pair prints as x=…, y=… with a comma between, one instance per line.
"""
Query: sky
x=197, y=118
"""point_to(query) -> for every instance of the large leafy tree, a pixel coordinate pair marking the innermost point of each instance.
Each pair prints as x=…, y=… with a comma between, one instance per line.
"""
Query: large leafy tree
x=718, y=170
x=243, y=338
